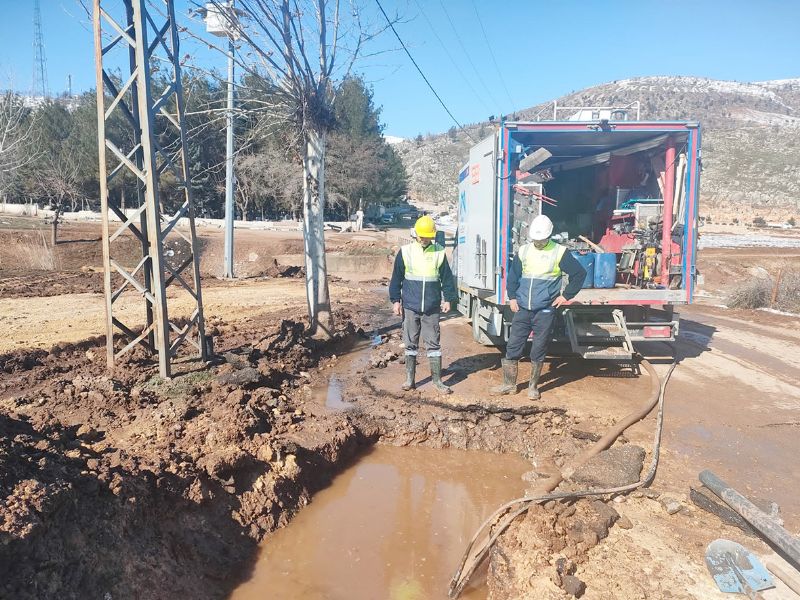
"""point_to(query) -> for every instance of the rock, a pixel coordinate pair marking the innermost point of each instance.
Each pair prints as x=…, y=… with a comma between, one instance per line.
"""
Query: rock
x=95, y=397
x=87, y=433
x=265, y=453
x=624, y=522
x=573, y=586
x=670, y=504
x=617, y=466
x=91, y=355
x=241, y=377
x=238, y=362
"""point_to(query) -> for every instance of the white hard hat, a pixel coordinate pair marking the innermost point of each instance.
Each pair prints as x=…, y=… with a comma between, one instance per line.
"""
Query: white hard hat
x=540, y=228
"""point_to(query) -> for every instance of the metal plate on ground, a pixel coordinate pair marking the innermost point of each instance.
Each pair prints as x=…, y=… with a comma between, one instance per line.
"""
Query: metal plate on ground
x=734, y=568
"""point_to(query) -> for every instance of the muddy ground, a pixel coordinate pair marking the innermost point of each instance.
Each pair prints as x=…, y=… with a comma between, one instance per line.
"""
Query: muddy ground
x=124, y=486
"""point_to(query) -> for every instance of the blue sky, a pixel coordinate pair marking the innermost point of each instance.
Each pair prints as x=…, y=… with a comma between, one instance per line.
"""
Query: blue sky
x=543, y=48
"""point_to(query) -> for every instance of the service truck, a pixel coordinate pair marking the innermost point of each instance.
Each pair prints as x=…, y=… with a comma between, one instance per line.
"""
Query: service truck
x=623, y=197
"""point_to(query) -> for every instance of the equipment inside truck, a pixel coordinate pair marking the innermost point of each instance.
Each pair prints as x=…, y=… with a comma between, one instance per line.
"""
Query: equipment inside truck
x=605, y=192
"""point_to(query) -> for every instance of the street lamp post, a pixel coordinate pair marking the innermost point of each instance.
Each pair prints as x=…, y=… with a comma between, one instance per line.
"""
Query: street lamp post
x=224, y=25
x=229, y=170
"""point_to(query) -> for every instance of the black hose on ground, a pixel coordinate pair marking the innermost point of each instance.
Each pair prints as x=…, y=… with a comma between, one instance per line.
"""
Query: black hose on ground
x=511, y=510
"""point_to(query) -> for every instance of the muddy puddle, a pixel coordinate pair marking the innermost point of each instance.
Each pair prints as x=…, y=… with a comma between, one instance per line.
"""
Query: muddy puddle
x=352, y=355
x=392, y=526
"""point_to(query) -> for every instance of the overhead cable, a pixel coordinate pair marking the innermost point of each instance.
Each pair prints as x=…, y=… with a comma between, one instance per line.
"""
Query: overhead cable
x=411, y=58
x=464, y=78
x=494, y=60
x=467, y=56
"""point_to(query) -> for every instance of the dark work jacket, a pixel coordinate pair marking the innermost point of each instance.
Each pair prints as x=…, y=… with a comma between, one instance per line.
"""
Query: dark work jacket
x=544, y=294
x=410, y=292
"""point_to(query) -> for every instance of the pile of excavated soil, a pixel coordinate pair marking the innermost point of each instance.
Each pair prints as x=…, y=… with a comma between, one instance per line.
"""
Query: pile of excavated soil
x=123, y=484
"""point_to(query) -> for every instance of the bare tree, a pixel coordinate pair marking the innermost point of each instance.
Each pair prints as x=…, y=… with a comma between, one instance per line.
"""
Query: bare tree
x=59, y=183
x=268, y=181
x=16, y=133
x=302, y=48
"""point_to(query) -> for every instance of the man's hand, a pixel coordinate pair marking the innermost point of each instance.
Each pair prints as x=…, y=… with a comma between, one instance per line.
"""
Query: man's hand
x=514, y=305
x=559, y=301
x=445, y=307
x=397, y=309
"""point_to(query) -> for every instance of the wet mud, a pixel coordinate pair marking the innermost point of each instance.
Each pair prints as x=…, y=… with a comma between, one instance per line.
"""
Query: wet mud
x=122, y=484
x=392, y=525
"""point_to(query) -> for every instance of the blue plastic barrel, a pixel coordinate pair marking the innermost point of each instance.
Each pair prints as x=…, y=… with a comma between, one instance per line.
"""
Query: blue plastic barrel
x=605, y=270
x=587, y=262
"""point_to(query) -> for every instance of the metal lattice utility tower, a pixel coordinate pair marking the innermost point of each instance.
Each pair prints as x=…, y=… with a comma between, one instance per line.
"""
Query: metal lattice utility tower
x=39, y=60
x=141, y=136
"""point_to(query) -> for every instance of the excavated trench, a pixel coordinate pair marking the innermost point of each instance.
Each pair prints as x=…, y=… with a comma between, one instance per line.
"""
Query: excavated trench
x=125, y=486
x=392, y=525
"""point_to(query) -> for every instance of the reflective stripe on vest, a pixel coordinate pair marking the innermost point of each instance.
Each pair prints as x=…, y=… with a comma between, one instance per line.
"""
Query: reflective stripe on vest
x=542, y=265
x=422, y=264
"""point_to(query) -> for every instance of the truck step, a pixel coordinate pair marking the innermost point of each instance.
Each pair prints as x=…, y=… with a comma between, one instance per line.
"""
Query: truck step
x=603, y=330
x=606, y=353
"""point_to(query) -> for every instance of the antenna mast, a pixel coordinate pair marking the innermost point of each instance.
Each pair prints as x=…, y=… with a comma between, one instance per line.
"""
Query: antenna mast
x=39, y=60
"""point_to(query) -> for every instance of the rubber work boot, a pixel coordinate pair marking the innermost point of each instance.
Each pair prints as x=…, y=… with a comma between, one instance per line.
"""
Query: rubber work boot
x=536, y=371
x=411, y=370
x=509, y=386
x=436, y=374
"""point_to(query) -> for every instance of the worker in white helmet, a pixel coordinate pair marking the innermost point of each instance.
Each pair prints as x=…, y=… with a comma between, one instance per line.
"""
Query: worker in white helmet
x=534, y=291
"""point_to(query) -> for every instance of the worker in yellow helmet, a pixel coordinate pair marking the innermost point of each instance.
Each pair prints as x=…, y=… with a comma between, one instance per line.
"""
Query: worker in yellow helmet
x=422, y=288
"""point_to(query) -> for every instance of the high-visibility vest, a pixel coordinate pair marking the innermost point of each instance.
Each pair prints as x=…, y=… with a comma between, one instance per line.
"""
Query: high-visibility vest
x=422, y=275
x=540, y=283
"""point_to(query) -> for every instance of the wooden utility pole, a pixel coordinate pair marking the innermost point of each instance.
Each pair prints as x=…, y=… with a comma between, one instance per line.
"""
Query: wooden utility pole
x=147, y=36
x=776, y=288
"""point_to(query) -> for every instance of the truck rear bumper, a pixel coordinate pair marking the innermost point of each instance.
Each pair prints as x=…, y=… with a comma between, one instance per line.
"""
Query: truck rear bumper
x=652, y=320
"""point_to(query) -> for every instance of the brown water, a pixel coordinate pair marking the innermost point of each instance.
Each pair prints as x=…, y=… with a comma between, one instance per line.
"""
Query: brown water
x=391, y=527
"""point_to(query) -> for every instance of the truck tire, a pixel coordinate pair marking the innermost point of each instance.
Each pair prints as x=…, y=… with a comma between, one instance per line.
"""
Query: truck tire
x=479, y=336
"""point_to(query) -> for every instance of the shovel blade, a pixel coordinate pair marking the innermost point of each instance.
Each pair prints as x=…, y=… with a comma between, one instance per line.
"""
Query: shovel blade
x=731, y=564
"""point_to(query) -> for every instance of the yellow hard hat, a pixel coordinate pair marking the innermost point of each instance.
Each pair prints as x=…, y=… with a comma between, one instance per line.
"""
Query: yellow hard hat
x=425, y=227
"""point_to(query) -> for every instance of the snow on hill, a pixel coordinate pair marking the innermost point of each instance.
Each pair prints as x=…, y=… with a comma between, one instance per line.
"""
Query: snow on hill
x=751, y=140
x=393, y=139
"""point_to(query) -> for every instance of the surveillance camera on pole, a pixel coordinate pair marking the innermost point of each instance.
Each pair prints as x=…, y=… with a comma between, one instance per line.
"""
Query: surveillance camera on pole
x=222, y=20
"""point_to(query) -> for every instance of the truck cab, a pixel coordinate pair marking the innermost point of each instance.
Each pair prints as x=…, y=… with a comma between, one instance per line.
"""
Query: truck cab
x=623, y=197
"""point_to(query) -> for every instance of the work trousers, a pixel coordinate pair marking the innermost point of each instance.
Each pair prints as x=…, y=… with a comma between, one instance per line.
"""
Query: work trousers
x=415, y=323
x=539, y=321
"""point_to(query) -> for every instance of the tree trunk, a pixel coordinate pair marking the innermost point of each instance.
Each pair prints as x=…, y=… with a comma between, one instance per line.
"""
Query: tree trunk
x=317, y=294
x=54, y=232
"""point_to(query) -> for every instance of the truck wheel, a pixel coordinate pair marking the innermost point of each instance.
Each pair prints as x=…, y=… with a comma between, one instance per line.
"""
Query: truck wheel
x=478, y=334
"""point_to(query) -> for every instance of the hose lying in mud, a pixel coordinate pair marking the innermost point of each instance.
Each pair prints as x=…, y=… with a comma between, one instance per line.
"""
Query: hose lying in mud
x=474, y=555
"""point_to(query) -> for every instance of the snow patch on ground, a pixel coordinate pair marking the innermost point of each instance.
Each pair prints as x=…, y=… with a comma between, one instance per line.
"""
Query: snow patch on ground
x=779, y=82
x=699, y=84
x=764, y=118
x=775, y=311
x=723, y=240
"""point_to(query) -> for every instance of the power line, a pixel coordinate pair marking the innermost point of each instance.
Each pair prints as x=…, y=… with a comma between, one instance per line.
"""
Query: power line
x=491, y=53
x=452, y=60
x=39, y=60
x=411, y=58
x=466, y=55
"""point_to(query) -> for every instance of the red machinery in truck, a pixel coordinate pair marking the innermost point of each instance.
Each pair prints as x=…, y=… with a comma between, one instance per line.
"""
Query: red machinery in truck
x=623, y=197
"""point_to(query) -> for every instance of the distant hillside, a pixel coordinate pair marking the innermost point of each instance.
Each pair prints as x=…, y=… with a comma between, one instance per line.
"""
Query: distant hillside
x=751, y=145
